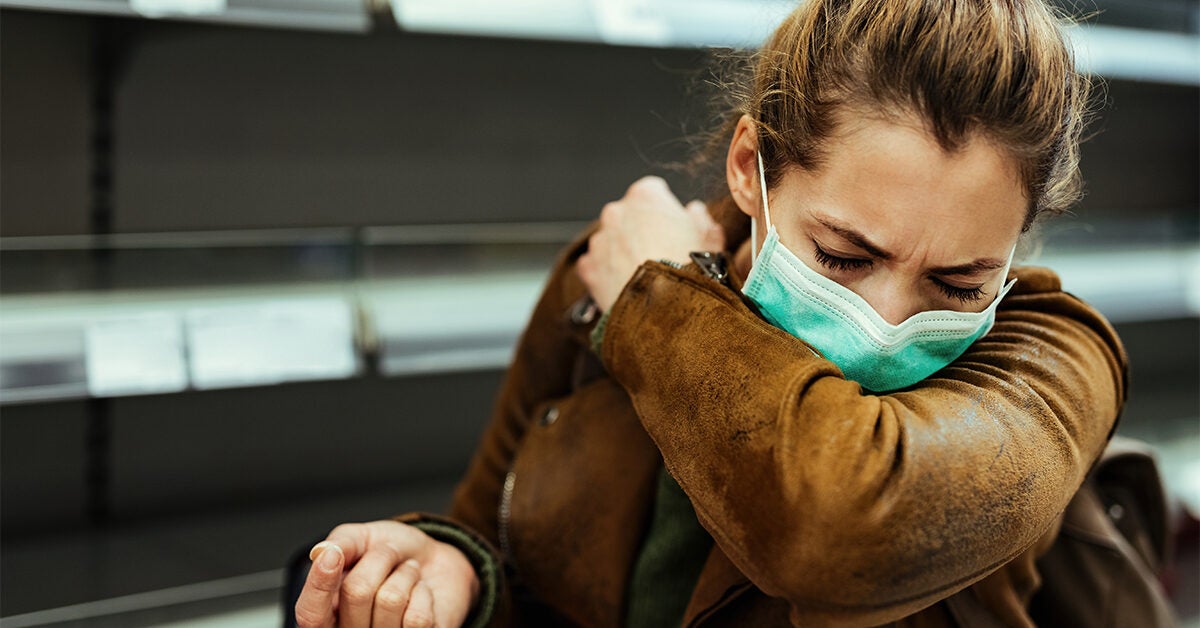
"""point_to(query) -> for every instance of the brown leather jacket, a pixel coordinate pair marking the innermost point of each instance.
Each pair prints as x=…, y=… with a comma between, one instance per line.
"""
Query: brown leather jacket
x=827, y=506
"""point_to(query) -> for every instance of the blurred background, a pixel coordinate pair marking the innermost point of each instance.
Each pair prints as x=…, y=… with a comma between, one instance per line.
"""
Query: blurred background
x=262, y=262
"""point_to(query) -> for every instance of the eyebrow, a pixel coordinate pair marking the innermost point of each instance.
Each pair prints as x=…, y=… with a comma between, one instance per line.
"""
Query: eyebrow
x=854, y=237
x=980, y=265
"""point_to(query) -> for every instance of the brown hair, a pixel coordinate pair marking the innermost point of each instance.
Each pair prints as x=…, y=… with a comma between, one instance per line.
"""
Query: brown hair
x=999, y=68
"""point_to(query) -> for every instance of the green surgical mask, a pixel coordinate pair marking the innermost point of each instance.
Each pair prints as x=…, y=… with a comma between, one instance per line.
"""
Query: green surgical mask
x=845, y=328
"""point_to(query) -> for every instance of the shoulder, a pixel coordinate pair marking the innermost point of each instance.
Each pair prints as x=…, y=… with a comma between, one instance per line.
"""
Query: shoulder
x=1034, y=280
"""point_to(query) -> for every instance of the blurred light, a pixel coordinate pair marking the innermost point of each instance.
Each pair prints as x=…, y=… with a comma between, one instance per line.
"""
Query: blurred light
x=1138, y=55
x=655, y=23
x=538, y=19
x=183, y=8
x=1114, y=52
x=325, y=15
x=450, y=324
x=274, y=341
x=1133, y=285
x=1121, y=53
x=135, y=354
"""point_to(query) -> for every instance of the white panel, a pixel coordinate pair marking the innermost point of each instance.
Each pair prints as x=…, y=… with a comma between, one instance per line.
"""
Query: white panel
x=456, y=323
x=131, y=355
x=183, y=8
x=538, y=19
x=270, y=342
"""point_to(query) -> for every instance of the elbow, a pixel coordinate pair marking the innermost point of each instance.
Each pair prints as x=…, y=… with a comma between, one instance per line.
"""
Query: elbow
x=859, y=577
x=869, y=557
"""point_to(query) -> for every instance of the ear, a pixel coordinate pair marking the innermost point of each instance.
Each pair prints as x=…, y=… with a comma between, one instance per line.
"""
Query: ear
x=741, y=168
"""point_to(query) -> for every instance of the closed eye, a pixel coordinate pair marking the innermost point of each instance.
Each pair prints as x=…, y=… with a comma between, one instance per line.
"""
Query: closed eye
x=835, y=262
x=964, y=295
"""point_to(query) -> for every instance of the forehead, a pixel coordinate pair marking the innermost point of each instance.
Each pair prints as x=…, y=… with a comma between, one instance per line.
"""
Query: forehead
x=892, y=181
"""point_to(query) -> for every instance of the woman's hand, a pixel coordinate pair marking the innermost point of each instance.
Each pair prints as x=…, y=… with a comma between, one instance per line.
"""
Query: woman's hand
x=385, y=573
x=648, y=223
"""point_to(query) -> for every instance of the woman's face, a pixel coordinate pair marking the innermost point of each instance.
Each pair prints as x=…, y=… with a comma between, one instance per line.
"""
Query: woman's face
x=893, y=217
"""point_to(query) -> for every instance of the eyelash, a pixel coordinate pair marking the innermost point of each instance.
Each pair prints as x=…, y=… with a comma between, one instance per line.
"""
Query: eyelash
x=965, y=295
x=833, y=262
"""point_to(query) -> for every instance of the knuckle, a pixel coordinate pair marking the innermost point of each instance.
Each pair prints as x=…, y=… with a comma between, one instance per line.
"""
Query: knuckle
x=418, y=618
x=391, y=599
x=345, y=529
x=648, y=183
x=404, y=530
x=595, y=242
x=307, y=617
x=319, y=585
x=610, y=212
x=356, y=592
x=324, y=584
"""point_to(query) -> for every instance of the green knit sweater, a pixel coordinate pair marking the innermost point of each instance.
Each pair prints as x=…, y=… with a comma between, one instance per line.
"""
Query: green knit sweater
x=672, y=555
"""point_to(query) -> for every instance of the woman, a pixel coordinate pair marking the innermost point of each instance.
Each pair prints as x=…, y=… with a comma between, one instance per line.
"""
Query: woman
x=852, y=417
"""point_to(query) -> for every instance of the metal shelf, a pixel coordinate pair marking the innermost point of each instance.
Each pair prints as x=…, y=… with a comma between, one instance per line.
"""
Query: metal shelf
x=429, y=299
x=161, y=313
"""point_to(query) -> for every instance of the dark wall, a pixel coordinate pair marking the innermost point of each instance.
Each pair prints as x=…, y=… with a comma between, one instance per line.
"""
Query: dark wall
x=214, y=450
x=1142, y=153
x=45, y=126
x=43, y=466
x=225, y=127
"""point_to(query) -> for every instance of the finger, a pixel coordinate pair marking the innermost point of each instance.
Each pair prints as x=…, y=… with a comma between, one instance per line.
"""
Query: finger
x=711, y=233
x=714, y=238
x=598, y=243
x=392, y=599
x=649, y=184
x=352, y=538
x=314, y=607
x=362, y=583
x=698, y=212
x=419, y=613
x=584, y=268
x=611, y=213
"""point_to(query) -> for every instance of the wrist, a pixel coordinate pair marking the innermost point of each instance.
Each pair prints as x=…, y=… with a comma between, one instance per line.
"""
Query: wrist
x=483, y=562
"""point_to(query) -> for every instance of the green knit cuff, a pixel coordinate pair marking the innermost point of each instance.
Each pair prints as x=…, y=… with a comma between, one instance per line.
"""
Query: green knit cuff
x=597, y=336
x=486, y=566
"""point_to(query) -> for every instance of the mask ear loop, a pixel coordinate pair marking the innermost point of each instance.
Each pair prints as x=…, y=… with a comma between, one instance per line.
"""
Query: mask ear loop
x=762, y=183
x=1005, y=284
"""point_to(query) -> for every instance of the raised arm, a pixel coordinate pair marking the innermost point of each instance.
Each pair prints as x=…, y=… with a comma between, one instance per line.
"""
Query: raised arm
x=546, y=354
x=852, y=506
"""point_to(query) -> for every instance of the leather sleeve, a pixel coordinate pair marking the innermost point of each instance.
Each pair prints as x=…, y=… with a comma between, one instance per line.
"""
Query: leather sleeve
x=861, y=509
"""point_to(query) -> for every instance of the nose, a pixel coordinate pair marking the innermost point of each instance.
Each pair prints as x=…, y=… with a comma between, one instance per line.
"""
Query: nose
x=892, y=299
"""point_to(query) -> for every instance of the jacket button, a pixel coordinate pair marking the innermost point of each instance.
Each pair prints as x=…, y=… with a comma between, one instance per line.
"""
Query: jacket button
x=550, y=415
x=584, y=311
